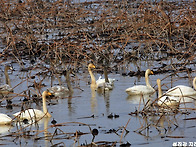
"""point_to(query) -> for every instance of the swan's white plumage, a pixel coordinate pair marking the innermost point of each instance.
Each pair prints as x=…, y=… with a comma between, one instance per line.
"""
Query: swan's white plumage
x=166, y=101
x=5, y=129
x=5, y=119
x=58, y=90
x=182, y=90
x=142, y=89
x=35, y=113
x=5, y=88
x=30, y=114
x=61, y=90
x=139, y=89
x=100, y=83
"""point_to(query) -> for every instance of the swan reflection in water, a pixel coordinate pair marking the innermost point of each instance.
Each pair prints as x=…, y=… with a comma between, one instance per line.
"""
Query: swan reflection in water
x=100, y=86
x=140, y=99
x=93, y=100
x=32, y=125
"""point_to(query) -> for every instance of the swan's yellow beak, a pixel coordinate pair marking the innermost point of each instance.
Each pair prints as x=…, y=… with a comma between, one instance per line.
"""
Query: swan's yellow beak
x=49, y=93
x=152, y=72
x=91, y=65
x=10, y=68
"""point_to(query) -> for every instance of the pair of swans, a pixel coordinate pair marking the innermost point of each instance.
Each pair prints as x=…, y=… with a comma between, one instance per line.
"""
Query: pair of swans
x=100, y=83
x=179, y=90
x=29, y=113
x=6, y=88
x=170, y=98
x=164, y=100
x=173, y=95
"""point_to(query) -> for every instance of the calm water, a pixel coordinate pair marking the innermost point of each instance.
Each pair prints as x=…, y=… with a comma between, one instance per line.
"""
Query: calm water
x=83, y=105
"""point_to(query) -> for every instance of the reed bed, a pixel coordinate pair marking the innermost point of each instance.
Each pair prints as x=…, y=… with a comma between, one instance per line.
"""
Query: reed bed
x=117, y=31
x=53, y=36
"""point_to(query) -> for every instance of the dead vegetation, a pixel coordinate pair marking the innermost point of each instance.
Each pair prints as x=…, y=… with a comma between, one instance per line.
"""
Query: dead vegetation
x=118, y=31
x=107, y=33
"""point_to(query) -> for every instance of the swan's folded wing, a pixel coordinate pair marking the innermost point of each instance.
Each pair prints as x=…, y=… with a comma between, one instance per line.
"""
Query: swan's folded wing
x=29, y=114
x=139, y=89
x=5, y=87
x=181, y=90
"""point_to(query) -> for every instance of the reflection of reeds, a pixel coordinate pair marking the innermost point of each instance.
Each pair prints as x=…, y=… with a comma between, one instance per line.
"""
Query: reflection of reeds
x=163, y=118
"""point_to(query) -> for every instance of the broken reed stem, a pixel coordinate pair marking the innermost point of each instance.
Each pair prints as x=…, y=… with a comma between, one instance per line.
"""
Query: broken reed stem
x=75, y=139
x=124, y=129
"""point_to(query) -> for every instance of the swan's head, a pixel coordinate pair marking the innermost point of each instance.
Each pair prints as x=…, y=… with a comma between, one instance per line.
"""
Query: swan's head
x=91, y=66
x=7, y=67
x=46, y=93
x=149, y=72
x=158, y=82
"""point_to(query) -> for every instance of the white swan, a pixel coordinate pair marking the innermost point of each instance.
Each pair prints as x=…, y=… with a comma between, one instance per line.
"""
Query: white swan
x=61, y=90
x=100, y=83
x=6, y=88
x=35, y=113
x=5, y=129
x=182, y=90
x=166, y=101
x=58, y=90
x=5, y=119
x=142, y=89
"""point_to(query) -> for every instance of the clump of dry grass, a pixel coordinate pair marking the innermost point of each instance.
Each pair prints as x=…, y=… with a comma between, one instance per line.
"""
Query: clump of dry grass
x=117, y=31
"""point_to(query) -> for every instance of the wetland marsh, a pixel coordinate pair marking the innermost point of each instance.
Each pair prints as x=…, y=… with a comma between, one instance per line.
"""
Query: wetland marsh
x=41, y=40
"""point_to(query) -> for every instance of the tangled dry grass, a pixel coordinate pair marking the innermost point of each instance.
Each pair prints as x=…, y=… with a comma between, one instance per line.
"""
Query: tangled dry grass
x=109, y=33
x=114, y=32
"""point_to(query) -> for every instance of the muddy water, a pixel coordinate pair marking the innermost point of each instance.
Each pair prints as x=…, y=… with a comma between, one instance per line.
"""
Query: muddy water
x=93, y=109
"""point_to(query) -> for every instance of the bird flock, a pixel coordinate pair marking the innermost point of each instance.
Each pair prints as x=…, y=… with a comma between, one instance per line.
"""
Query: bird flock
x=171, y=97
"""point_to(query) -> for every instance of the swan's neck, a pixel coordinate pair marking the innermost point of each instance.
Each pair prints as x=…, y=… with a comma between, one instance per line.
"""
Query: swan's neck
x=194, y=83
x=7, y=79
x=106, y=75
x=147, y=80
x=159, y=89
x=45, y=110
x=93, y=80
x=69, y=83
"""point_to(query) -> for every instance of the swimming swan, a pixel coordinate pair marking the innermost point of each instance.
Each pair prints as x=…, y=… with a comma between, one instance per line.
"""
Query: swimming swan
x=182, y=90
x=100, y=83
x=142, y=89
x=61, y=90
x=6, y=88
x=5, y=119
x=166, y=100
x=35, y=113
